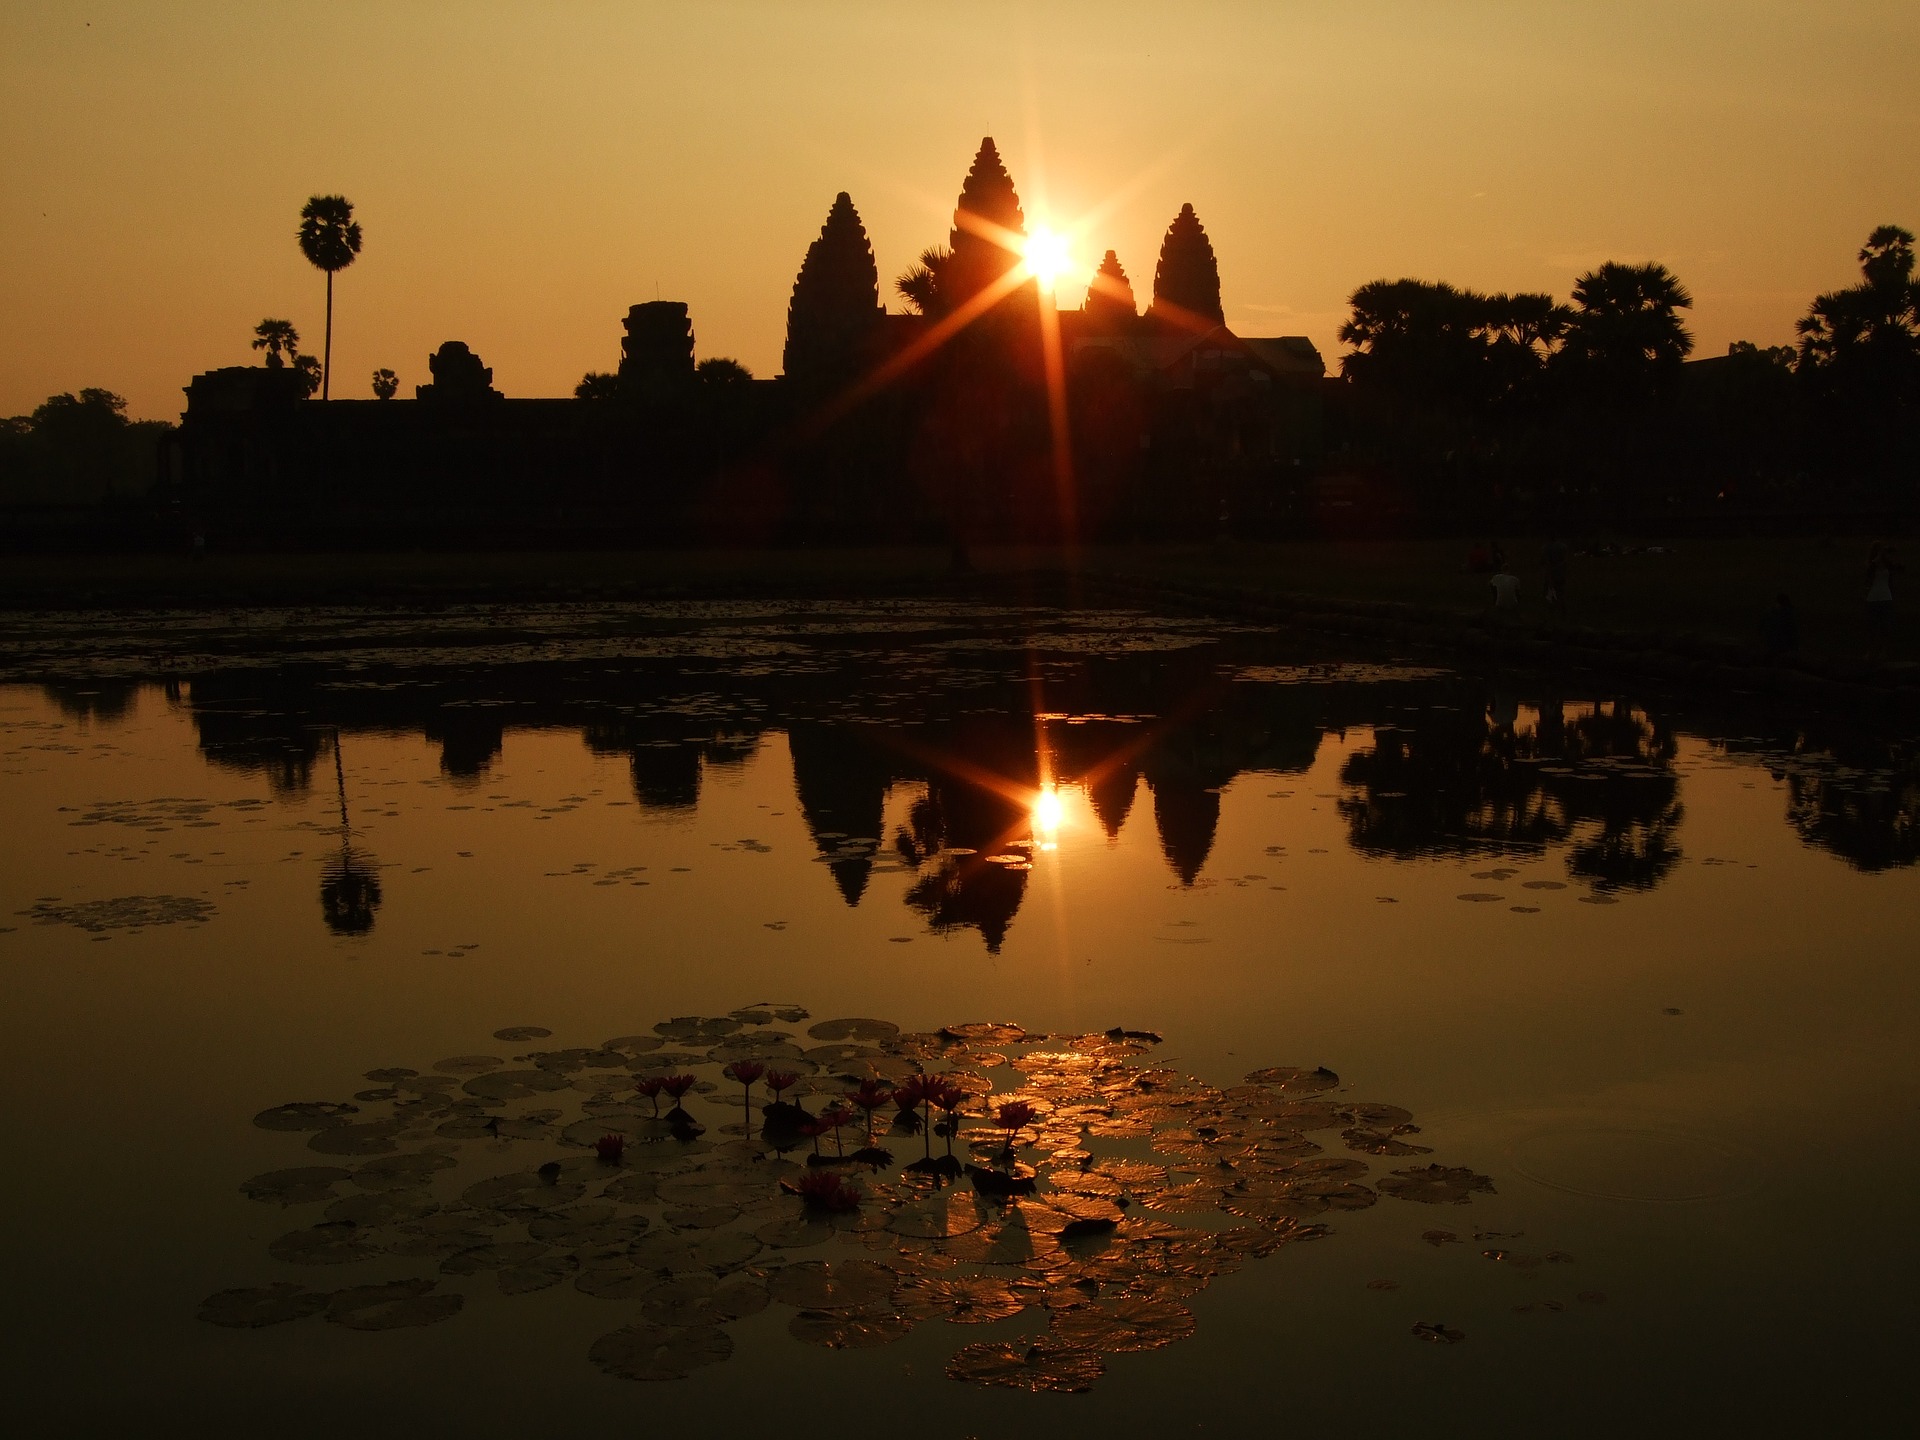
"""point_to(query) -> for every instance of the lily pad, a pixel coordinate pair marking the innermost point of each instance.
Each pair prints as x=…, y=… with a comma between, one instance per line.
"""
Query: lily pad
x=517, y=1033
x=514, y=1084
x=860, y=1031
x=833, y=1285
x=1292, y=1081
x=493, y=1257
x=468, y=1064
x=698, y=1029
x=306, y=1115
x=705, y=1300
x=1131, y=1322
x=396, y=1306
x=382, y=1207
x=849, y=1329
x=396, y=1172
x=269, y=1305
x=336, y=1242
x=536, y=1274
x=1033, y=1365
x=1435, y=1184
x=660, y=1352
x=302, y=1185
x=374, y=1137
x=966, y=1300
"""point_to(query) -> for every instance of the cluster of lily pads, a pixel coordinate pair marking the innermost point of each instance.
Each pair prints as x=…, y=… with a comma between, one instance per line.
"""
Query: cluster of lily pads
x=871, y=1179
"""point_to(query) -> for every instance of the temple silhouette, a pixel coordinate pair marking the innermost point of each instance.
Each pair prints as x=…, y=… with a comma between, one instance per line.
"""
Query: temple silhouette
x=928, y=422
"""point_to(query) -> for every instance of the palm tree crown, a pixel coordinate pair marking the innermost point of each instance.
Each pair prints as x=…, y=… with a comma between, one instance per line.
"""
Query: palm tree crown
x=329, y=235
x=279, y=339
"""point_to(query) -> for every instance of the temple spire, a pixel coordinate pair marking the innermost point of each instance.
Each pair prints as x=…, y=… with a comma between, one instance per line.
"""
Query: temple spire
x=1186, y=284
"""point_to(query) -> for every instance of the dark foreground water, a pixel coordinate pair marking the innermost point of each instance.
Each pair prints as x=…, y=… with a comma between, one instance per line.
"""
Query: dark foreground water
x=325, y=932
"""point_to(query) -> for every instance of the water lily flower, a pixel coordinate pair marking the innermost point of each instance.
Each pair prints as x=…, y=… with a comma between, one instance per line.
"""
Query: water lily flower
x=813, y=1130
x=834, y=1118
x=1013, y=1117
x=610, y=1148
x=826, y=1190
x=649, y=1086
x=746, y=1072
x=870, y=1096
x=779, y=1081
x=676, y=1085
x=914, y=1092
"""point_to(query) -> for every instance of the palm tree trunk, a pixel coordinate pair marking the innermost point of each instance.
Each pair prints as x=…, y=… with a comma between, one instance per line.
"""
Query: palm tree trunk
x=326, y=362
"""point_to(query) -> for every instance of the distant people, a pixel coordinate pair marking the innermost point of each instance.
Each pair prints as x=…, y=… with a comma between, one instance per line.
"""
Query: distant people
x=1780, y=627
x=1505, y=588
x=1557, y=574
x=1882, y=563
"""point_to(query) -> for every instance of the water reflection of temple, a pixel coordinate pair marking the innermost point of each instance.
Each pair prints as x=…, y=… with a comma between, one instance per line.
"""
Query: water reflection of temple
x=1442, y=767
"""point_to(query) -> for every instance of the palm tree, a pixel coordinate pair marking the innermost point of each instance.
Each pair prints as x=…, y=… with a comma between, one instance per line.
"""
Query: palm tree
x=386, y=384
x=1627, y=330
x=279, y=339
x=329, y=238
x=920, y=286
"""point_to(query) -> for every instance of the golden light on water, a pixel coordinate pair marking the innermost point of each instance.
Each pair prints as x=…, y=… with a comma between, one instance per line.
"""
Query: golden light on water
x=1048, y=815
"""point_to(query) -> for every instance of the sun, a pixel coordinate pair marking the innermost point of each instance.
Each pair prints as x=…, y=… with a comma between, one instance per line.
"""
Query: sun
x=1047, y=257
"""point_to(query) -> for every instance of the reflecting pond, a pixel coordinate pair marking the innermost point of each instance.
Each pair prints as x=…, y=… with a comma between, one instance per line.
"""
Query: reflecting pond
x=1026, y=1020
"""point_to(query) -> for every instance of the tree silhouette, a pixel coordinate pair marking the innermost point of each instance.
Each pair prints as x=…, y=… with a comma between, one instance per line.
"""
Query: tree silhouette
x=597, y=385
x=1868, y=335
x=329, y=238
x=312, y=377
x=1110, y=304
x=719, y=370
x=920, y=287
x=1626, y=338
x=1186, y=283
x=836, y=300
x=1436, y=344
x=279, y=339
x=386, y=384
x=988, y=226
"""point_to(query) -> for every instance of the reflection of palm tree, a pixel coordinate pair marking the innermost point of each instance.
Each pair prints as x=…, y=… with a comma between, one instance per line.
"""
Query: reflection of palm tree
x=329, y=238
x=350, y=881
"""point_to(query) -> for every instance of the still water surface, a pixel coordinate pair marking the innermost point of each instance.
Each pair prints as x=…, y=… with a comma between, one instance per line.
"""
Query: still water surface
x=1646, y=963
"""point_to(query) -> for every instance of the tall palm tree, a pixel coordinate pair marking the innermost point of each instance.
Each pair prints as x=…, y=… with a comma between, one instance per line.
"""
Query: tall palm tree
x=329, y=238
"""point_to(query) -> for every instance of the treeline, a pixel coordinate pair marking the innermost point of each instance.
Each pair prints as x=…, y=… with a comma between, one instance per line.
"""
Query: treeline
x=1519, y=404
x=77, y=450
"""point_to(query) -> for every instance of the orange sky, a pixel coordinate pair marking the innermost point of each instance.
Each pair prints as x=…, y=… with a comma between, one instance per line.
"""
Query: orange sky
x=525, y=173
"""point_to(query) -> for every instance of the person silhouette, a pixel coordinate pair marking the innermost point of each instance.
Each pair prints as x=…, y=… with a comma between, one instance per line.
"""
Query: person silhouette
x=1881, y=567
